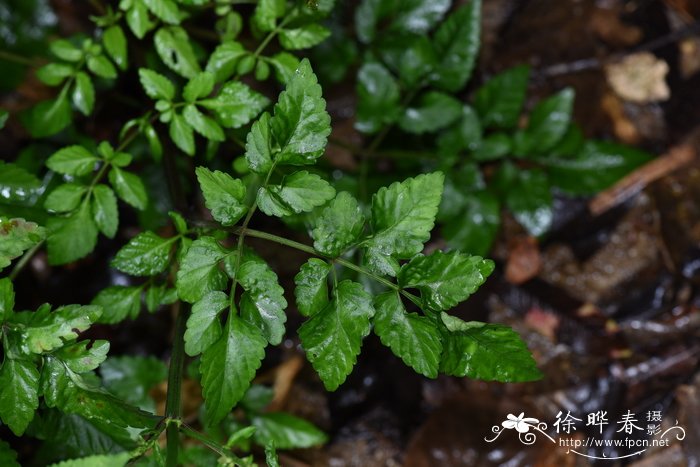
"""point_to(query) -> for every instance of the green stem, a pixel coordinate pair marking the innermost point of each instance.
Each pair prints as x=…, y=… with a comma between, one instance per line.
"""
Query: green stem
x=173, y=401
x=14, y=58
x=24, y=260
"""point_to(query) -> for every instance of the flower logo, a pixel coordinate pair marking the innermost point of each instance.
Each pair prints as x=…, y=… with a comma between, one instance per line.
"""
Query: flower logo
x=521, y=423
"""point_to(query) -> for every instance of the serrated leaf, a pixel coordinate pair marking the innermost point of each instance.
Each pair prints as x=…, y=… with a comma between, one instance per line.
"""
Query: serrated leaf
x=81, y=359
x=298, y=192
x=173, y=46
x=435, y=110
x=65, y=198
x=16, y=236
x=104, y=460
x=475, y=226
x=138, y=19
x=500, y=100
x=303, y=37
x=104, y=210
x=16, y=183
x=378, y=98
x=548, y=123
x=466, y=133
x=229, y=365
x=529, y=198
x=181, y=134
x=403, y=215
x=70, y=238
x=445, y=279
x=413, y=338
x=415, y=16
x=114, y=41
x=286, y=431
x=200, y=86
x=258, y=151
x=236, y=104
x=118, y=302
x=129, y=187
x=490, y=352
x=266, y=14
x=300, y=124
x=311, y=289
x=285, y=66
x=263, y=303
x=83, y=93
x=166, y=10
x=222, y=62
x=203, y=325
x=456, y=45
x=8, y=457
x=410, y=56
x=147, y=254
x=332, y=337
x=48, y=330
x=131, y=378
x=72, y=160
x=224, y=195
x=199, y=271
x=101, y=66
x=202, y=124
x=19, y=393
x=156, y=85
x=48, y=117
x=339, y=225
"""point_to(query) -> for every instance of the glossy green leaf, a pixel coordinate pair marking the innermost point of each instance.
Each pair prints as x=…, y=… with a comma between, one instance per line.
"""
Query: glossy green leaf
x=118, y=303
x=494, y=146
x=53, y=74
x=476, y=224
x=224, y=195
x=286, y=431
x=413, y=338
x=200, y=86
x=434, y=111
x=83, y=93
x=466, y=133
x=104, y=460
x=490, y=352
x=236, y=104
x=285, y=66
x=303, y=37
x=156, y=85
x=79, y=358
x=71, y=238
x=530, y=200
x=7, y=299
x=8, y=457
x=258, y=146
x=500, y=100
x=65, y=50
x=129, y=187
x=166, y=10
x=410, y=56
x=65, y=198
x=131, y=378
x=114, y=42
x=298, y=192
x=266, y=14
x=223, y=61
x=378, y=98
x=403, y=215
x=202, y=124
x=19, y=393
x=101, y=66
x=229, y=365
x=48, y=117
x=16, y=236
x=332, y=337
x=199, y=271
x=49, y=330
x=104, y=210
x=548, y=123
x=445, y=279
x=311, y=289
x=173, y=46
x=138, y=19
x=16, y=183
x=182, y=134
x=72, y=160
x=339, y=225
x=146, y=254
x=203, y=324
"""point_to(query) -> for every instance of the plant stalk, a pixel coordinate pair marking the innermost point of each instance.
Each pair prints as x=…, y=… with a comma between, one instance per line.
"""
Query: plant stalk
x=173, y=401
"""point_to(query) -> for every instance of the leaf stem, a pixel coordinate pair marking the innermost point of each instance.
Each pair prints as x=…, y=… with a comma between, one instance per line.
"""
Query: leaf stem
x=19, y=59
x=24, y=260
x=173, y=401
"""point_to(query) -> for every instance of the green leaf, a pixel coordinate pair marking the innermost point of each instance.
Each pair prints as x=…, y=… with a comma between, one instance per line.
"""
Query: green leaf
x=166, y=10
x=263, y=303
x=229, y=365
x=500, y=100
x=181, y=134
x=70, y=238
x=236, y=104
x=594, y=168
x=548, y=123
x=8, y=457
x=258, y=151
x=203, y=325
x=490, y=352
x=475, y=227
x=223, y=61
x=303, y=37
x=78, y=358
x=156, y=85
x=311, y=289
x=285, y=65
x=138, y=19
x=101, y=66
x=7, y=299
x=16, y=236
x=286, y=431
x=415, y=16
x=53, y=74
x=301, y=124
x=19, y=393
x=435, y=110
x=48, y=117
x=410, y=56
x=332, y=337
x=129, y=187
x=465, y=134
x=200, y=86
x=266, y=14
x=147, y=254
x=65, y=198
x=445, y=279
x=378, y=98
x=202, y=124
x=413, y=338
x=271, y=457
x=104, y=210
x=199, y=271
x=118, y=302
x=72, y=160
x=224, y=195
x=48, y=330
x=114, y=42
x=339, y=225
x=65, y=50
x=105, y=460
x=494, y=146
x=83, y=93
x=132, y=378
x=456, y=45
x=16, y=184
x=298, y=192
x=174, y=48
x=530, y=199
x=403, y=215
